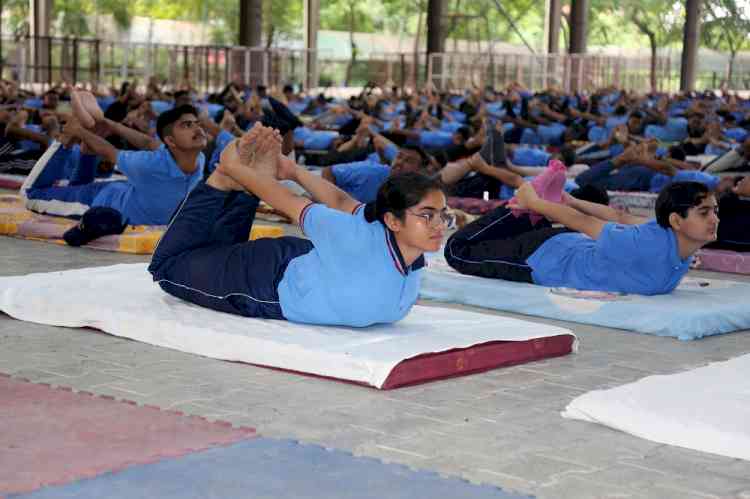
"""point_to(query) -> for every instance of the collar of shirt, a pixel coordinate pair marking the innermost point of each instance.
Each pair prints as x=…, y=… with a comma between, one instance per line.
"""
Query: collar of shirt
x=390, y=240
x=398, y=258
x=674, y=258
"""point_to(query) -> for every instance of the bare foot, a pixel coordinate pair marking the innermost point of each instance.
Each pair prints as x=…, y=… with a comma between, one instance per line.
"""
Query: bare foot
x=743, y=188
x=85, y=108
x=630, y=154
x=260, y=150
x=223, y=182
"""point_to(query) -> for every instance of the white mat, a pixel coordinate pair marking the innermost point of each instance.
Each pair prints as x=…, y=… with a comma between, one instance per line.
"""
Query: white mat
x=706, y=409
x=122, y=300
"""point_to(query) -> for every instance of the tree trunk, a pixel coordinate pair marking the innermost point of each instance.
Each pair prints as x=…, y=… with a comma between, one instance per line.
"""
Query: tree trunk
x=652, y=42
x=579, y=21
x=271, y=33
x=454, y=24
x=730, y=69
x=251, y=22
x=417, y=40
x=435, y=38
x=352, y=46
x=691, y=34
x=553, y=44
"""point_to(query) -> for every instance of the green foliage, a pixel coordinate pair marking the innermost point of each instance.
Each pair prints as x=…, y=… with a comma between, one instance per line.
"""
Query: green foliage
x=725, y=25
x=624, y=23
x=337, y=15
x=282, y=20
x=661, y=21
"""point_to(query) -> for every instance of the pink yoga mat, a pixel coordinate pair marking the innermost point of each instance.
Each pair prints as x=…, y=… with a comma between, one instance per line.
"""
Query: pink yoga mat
x=724, y=261
x=52, y=436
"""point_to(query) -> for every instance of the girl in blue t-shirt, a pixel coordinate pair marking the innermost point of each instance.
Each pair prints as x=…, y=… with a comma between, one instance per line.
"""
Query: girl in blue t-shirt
x=360, y=266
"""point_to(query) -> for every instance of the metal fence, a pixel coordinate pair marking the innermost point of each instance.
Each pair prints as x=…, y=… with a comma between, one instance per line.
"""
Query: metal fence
x=567, y=72
x=48, y=60
x=42, y=61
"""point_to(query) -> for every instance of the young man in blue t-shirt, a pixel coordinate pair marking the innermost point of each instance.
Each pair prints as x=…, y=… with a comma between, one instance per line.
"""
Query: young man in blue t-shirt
x=597, y=248
x=157, y=180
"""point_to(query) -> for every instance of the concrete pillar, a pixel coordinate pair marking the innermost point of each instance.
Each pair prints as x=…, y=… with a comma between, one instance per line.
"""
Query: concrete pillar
x=40, y=14
x=579, y=21
x=579, y=17
x=312, y=23
x=553, y=26
x=435, y=38
x=690, y=43
x=251, y=23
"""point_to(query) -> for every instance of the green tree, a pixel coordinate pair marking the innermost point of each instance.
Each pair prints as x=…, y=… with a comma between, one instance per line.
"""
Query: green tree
x=725, y=28
x=282, y=21
x=660, y=21
x=348, y=15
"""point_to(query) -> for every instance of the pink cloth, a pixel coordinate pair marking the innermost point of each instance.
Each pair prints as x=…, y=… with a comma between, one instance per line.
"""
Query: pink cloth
x=548, y=185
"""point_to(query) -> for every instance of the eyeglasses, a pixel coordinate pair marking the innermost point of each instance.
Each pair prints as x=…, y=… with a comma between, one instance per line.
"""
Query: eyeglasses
x=436, y=218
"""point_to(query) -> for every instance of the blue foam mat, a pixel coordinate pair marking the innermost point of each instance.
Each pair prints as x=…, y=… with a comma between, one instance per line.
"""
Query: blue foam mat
x=267, y=468
x=697, y=308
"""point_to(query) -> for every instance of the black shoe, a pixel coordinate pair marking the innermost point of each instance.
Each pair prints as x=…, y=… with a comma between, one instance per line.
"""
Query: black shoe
x=594, y=105
x=493, y=149
x=565, y=105
x=509, y=109
x=525, y=108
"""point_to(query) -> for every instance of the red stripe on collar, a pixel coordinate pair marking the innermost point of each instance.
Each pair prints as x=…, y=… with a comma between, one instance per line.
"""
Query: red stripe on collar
x=394, y=255
x=303, y=214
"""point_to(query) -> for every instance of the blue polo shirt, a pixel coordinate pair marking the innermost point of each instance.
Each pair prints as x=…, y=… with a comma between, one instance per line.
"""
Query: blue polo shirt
x=450, y=126
x=544, y=135
x=640, y=259
x=435, y=139
x=315, y=139
x=361, y=179
x=354, y=276
x=154, y=189
x=675, y=130
x=528, y=156
x=599, y=134
x=220, y=143
x=738, y=134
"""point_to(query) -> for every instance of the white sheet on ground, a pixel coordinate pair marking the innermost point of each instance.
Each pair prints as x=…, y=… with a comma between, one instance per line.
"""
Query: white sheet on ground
x=706, y=409
x=122, y=300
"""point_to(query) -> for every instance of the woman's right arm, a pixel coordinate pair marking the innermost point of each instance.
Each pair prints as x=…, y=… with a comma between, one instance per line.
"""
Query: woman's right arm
x=321, y=189
x=263, y=185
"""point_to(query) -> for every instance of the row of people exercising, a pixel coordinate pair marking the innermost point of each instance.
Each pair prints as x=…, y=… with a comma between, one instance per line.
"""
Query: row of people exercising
x=361, y=264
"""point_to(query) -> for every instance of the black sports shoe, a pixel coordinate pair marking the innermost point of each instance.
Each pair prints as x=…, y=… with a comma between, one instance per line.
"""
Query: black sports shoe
x=493, y=149
x=509, y=109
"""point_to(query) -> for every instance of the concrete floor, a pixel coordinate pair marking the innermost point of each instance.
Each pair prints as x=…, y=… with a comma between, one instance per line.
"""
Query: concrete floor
x=502, y=427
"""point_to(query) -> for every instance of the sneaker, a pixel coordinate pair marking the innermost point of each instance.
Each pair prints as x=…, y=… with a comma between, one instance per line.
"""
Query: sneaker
x=493, y=149
x=39, y=168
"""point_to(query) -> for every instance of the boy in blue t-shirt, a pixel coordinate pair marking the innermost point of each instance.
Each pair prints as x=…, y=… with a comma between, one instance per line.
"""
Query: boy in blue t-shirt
x=157, y=180
x=597, y=249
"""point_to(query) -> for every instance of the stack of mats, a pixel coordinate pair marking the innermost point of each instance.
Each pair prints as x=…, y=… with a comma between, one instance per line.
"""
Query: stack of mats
x=17, y=221
x=724, y=261
x=474, y=206
x=11, y=182
x=637, y=203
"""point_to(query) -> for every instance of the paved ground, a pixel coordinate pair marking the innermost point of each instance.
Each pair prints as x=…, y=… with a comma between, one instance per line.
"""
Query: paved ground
x=501, y=427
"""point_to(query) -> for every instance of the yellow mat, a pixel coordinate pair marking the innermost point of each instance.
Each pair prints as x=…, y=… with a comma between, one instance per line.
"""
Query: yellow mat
x=17, y=221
